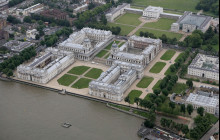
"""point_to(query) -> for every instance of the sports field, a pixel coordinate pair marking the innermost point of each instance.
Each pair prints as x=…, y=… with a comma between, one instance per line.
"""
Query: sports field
x=162, y=23
x=183, y=5
x=129, y=18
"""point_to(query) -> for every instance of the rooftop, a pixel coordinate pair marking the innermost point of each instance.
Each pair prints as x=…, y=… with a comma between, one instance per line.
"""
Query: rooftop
x=153, y=9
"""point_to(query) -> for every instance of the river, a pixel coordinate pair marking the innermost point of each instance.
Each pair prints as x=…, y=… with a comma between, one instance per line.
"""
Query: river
x=29, y=113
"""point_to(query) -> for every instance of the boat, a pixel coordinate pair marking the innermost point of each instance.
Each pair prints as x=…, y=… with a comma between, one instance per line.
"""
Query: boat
x=66, y=125
x=63, y=92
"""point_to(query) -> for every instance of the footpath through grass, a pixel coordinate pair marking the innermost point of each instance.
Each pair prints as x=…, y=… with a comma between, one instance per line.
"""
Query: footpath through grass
x=94, y=73
x=82, y=83
x=133, y=94
x=162, y=23
x=168, y=55
x=66, y=80
x=157, y=68
x=125, y=30
x=79, y=70
x=145, y=82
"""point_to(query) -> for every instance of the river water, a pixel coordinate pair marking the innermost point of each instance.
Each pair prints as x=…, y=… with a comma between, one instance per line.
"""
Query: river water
x=29, y=113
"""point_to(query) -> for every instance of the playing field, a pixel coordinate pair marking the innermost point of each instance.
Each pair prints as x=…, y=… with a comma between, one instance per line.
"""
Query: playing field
x=183, y=5
x=133, y=94
x=125, y=30
x=162, y=23
x=145, y=82
x=168, y=55
x=157, y=67
x=159, y=33
x=129, y=18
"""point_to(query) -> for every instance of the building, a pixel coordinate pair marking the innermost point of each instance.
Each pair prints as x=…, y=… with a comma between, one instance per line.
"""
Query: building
x=81, y=8
x=55, y=13
x=46, y=67
x=205, y=66
x=3, y=23
x=190, y=22
x=86, y=43
x=3, y=2
x=138, y=50
x=210, y=104
x=33, y=9
x=99, y=1
x=152, y=12
x=17, y=46
x=4, y=35
x=115, y=12
x=31, y=34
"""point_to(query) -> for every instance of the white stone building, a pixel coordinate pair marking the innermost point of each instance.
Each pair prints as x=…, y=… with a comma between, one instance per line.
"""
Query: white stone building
x=87, y=43
x=152, y=12
x=210, y=104
x=115, y=12
x=205, y=66
x=190, y=22
x=33, y=9
x=3, y=2
x=17, y=46
x=81, y=8
x=31, y=34
x=46, y=67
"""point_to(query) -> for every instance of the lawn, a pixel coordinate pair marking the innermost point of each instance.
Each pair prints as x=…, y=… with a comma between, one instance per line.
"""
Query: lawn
x=159, y=33
x=179, y=87
x=129, y=18
x=168, y=72
x=182, y=5
x=102, y=53
x=66, y=80
x=133, y=94
x=79, y=70
x=168, y=55
x=157, y=67
x=107, y=56
x=162, y=23
x=180, y=56
x=125, y=30
x=94, y=73
x=110, y=45
x=121, y=44
x=215, y=47
x=82, y=83
x=157, y=85
x=147, y=97
x=145, y=82
x=120, y=107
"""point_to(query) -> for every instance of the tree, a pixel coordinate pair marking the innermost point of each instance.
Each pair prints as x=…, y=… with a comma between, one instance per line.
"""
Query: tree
x=158, y=101
x=127, y=99
x=200, y=111
x=165, y=92
x=172, y=68
x=189, y=83
x=189, y=109
x=157, y=91
x=185, y=129
x=172, y=105
x=148, y=124
x=136, y=100
x=164, y=38
x=27, y=19
x=183, y=108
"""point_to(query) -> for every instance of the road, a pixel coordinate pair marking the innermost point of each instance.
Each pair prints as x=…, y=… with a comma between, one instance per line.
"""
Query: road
x=214, y=129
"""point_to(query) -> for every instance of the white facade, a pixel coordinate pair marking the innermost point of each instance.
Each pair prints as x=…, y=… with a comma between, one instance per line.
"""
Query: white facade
x=210, y=104
x=205, y=66
x=3, y=2
x=17, y=46
x=33, y=9
x=46, y=67
x=120, y=10
x=86, y=43
x=31, y=34
x=80, y=9
x=152, y=12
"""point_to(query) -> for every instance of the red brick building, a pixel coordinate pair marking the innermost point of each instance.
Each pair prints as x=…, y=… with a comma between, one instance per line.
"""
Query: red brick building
x=55, y=13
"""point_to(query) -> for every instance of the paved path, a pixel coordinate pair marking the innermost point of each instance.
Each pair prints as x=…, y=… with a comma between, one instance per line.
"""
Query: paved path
x=214, y=129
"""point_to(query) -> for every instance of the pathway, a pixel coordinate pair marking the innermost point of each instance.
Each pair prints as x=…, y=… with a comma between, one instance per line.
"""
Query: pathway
x=214, y=129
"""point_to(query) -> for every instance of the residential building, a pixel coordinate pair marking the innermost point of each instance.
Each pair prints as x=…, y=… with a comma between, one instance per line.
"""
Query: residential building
x=80, y=8
x=205, y=66
x=46, y=67
x=152, y=12
x=3, y=23
x=3, y=2
x=55, y=13
x=33, y=9
x=17, y=46
x=31, y=34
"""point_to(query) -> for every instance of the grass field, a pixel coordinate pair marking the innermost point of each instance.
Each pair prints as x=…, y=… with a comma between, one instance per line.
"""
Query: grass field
x=133, y=94
x=157, y=67
x=66, y=80
x=168, y=72
x=110, y=45
x=147, y=97
x=145, y=82
x=79, y=70
x=102, y=53
x=107, y=56
x=125, y=30
x=159, y=33
x=168, y=55
x=215, y=47
x=178, y=57
x=82, y=83
x=157, y=85
x=94, y=73
x=129, y=18
x=179, y=87
x=162, y=23
x=183, y=5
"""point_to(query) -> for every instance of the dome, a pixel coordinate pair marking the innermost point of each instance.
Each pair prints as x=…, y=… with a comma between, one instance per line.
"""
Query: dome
x=114, y=45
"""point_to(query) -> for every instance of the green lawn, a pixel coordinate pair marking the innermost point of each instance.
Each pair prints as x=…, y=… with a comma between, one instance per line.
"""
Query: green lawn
x=133, y=94
x=147, y=97
x=102, y=53
x=157, y=85
x=157, y=67
x=168, y=72
x=94, y=73
x=66, y=80
x=137, y=7
x=183, y=5
x=159, y=33
x=162, y=23
x=120, y=107
x=125, y=30
x=79, y=70
x=107, y=56
x=179, y=87
x=168, y=55
x=110, y=45
x=121, y=44
x=215, y=47
x=145, y=82
x=180, y=56
x=130, y=19
x=82, y=83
